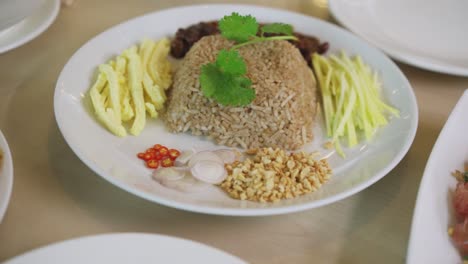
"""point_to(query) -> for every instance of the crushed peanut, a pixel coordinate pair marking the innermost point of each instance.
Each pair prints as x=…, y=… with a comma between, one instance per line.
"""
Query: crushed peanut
x=273, y=174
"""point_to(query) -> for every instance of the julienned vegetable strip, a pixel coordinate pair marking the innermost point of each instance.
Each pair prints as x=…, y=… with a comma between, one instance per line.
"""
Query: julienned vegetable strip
x=351, y=99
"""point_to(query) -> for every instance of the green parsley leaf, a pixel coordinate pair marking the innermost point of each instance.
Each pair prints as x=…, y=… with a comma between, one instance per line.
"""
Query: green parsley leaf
x=238, y=28
x=223, y=80
x=277, y=28
x=465, y=176
x=237, y=91
x=210, y=78
x=229, y=61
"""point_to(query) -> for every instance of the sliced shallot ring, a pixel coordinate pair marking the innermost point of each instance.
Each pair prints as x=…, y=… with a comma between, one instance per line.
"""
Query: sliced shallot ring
x=204, y=155
x=169, y=174
x=227, y=155
x=209, y=171
x=187, y=185
x=184, y=157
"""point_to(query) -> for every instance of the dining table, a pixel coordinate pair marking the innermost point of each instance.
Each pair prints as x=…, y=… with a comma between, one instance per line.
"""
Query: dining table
x=57, y=197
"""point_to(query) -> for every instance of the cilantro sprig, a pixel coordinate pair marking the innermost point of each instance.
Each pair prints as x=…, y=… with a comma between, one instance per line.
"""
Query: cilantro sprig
x=225, y=79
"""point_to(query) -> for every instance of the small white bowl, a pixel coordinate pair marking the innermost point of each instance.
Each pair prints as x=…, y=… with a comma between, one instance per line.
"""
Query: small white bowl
x=14, y=11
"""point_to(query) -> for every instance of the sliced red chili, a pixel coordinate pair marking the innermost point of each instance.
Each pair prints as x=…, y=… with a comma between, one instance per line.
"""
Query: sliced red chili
x=158, y=156
x=157, y=146
x=167, y=162
x=174, y=153
x=148, y=156
x=163, y=151
x=151, y=150
x=152, y=164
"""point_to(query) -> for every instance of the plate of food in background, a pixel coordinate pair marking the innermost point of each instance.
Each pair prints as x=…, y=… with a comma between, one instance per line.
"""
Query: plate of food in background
x=233, y=112
x=439, y=231
x=6, y=175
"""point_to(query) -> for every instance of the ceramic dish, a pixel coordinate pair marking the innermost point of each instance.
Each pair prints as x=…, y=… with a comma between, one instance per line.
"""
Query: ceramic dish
x=433, y=214
x=29, y=28
x=429, y=34
x=6, y=175
x=115, y=159
x=126, y=248
x=14, y=11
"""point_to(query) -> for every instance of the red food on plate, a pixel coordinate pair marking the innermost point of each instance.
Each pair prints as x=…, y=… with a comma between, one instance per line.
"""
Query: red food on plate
x=152, y=164
x=163, y=151
x=460, y=236
x=460, y=200
x=459, y=232
x=167, y=162
x=174, y=153
x=159, y=155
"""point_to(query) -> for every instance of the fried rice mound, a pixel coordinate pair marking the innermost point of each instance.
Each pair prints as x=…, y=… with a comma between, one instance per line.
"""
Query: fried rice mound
x=281, y=115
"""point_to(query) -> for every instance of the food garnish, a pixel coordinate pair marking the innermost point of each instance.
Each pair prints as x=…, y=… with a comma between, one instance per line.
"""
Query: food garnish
x=238, y=28
x=131, y=85
x=459, y=232
x=169, y=174
x=159, y=155
x=167, y=162
x=277, y=28
x=351, y=98
x=228, y=155
x=224, y=80
x=203, y=166
x=207, y=166
x=204, y=155
x=186, y=37
x=209, y=171
x=273, y=174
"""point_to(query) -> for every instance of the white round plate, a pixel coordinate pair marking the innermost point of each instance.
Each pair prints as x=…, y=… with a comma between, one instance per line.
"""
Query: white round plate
x=433, y=214
x=430, y=34
x=115, y=158
x=126, y=248
x=30, y=27
x=6, y=175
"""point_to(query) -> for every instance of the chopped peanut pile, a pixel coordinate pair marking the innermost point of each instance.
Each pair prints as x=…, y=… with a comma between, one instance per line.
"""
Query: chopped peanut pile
x=272, y=174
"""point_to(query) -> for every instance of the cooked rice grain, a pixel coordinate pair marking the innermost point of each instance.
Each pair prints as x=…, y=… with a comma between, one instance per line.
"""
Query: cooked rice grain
x=281, y=114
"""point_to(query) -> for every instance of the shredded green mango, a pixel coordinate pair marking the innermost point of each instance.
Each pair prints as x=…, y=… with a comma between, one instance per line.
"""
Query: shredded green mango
x=351, y=100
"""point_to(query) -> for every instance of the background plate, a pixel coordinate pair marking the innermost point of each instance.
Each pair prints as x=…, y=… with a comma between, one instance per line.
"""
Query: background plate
x=6, y=176
x=430, y=34
x=126, y=248
x=433, y=214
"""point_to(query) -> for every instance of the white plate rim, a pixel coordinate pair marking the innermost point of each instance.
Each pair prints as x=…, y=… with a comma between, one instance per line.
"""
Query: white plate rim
x=425, y=179
x=120, y=235
x=408, y=58
x=43, y=26
x=242, y=211
x=7, y=167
